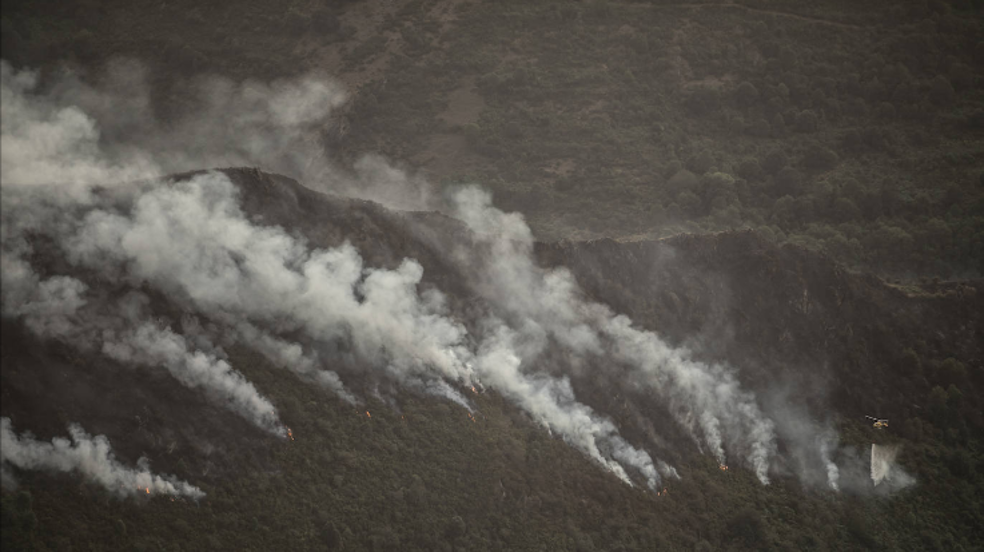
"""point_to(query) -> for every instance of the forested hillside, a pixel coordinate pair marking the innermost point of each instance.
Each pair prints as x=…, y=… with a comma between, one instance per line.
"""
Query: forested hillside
x=844, y=127
x=719, y=235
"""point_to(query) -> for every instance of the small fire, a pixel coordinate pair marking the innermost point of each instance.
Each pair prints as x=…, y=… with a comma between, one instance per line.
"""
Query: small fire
x=661, y=493
x=368, y=415
x=472, y=418
x=474, y=390
x=290, y=434
x=722, y=467
x=147, y=490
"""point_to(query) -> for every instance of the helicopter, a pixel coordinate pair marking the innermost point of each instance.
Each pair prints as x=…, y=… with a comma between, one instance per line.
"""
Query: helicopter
x=879, y=423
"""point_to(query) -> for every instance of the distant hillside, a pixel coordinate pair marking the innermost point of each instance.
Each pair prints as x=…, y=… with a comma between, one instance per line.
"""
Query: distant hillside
x=851, y=128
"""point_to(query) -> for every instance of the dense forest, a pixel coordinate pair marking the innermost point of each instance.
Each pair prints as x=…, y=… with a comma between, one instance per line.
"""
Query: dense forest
x=793, y=189
x=852, y=129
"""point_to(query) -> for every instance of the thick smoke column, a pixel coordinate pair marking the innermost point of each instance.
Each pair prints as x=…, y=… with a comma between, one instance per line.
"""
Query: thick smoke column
x=92, y=457
x=76, y=170
x=882, y=458
x=706, y=399
x=190, y=241
x=551, y=402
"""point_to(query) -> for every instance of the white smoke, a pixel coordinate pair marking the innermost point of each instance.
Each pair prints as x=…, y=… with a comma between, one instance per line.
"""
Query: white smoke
x=706, y=399
x=827, y=445
x=551, y=402
x=882, y=461
x=78, y=170
x=92, y=457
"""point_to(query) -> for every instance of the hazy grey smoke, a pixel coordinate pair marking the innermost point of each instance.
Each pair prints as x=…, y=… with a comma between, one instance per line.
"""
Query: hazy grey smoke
x=77, y=133
x=92, y=457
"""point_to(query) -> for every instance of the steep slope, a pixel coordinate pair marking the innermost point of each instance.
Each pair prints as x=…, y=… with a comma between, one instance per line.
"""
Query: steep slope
x=408, y=471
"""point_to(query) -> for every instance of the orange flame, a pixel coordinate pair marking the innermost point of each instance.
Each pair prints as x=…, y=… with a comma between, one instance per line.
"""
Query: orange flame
x=148, y=490
x=368, y=415
x=722, y=467
x=474, y=390
x=472, y=418
x=290, y=434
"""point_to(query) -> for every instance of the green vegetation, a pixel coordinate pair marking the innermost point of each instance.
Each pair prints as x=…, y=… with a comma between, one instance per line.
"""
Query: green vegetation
x=428, y=478
x=854, y=129
x=591, y=109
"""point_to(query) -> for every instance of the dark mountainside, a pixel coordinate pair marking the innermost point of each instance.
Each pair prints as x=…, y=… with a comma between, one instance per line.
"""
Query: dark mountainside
x=788, y=195
x=424, y=476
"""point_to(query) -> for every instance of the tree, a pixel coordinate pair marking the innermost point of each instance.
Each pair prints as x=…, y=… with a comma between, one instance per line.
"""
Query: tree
x=689, y=202
x=746, y=94
x=330, y=536
x=455, y=528
x=682, y=181
x=701, y=162
x=789, y=181
x=820, y=158
x=844, y=210
x=778, y=124
x=775, y=161
x=953, y=371
x=806, y=121
x=889, y=243
x=749, y=169
x=937, y=403
x=910, y=364
x=760, y=128
x=941, y=92
x=324, y=21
